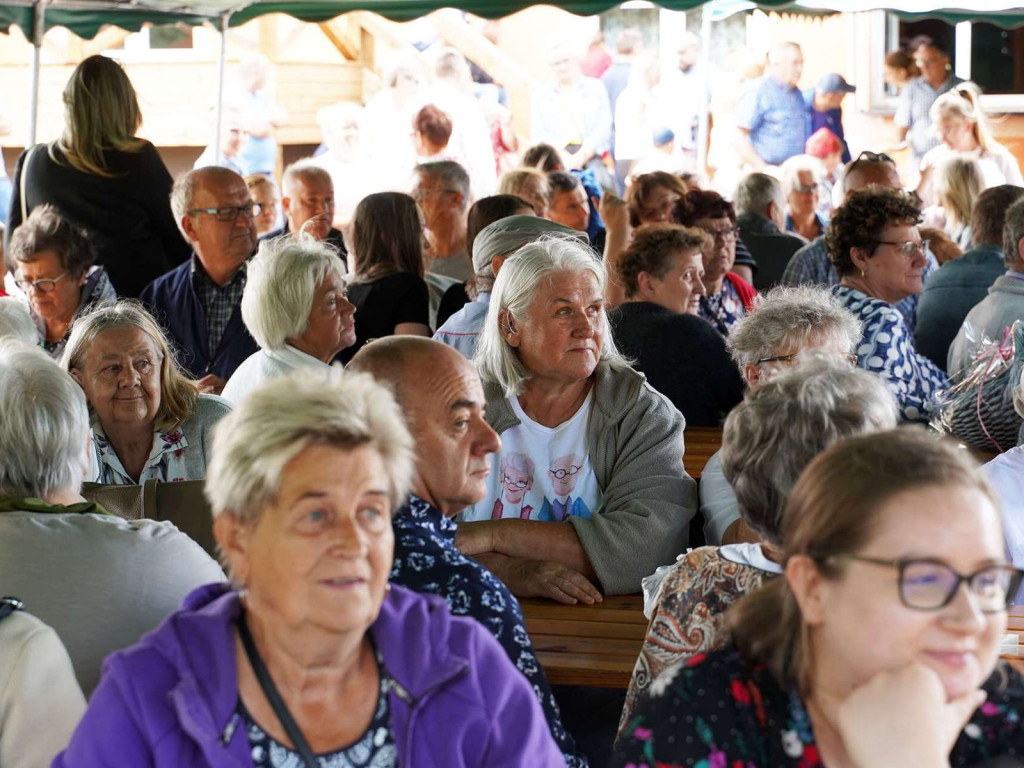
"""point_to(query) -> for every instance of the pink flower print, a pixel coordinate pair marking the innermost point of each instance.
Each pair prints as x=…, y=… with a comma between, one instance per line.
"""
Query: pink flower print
x=990, y=709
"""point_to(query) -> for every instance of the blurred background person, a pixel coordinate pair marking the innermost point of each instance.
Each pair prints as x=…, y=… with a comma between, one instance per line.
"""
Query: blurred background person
x=265, y=194
x=828, y=149
x=639, y=114
x=913, y=111
x=900, y=69
x=260, y=116
x=231, y=141
x=801, y=184
x=529, y=184
x=958, y=185
x=760, y=208
x=344, y=157
x=431, y=132
x=825, y=107
x=386, y=118
x=771, y=115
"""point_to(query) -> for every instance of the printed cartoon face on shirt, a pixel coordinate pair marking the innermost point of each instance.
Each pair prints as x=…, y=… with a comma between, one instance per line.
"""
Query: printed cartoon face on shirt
x=563, y=473
x=516, y=477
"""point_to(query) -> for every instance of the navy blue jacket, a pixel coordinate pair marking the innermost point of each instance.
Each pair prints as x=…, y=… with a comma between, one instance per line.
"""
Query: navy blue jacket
x=175, y=303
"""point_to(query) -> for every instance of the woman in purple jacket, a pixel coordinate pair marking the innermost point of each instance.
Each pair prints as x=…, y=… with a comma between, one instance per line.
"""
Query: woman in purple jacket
x=314, y=658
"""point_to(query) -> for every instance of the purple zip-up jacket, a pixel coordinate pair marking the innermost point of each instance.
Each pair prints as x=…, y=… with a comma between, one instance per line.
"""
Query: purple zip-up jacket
x=170, y=700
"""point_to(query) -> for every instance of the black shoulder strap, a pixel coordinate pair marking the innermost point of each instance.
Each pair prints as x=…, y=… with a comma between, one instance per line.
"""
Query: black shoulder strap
x=9, y=605
x=270, y=691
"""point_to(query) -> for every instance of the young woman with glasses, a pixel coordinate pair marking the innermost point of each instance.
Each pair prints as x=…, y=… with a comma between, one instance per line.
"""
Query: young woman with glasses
x=878, y=646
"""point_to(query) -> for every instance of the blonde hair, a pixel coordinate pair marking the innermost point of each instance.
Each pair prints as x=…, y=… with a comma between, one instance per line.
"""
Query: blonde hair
x=964, y=101
x=178, y=393
x=101, y=112
x=958, y=184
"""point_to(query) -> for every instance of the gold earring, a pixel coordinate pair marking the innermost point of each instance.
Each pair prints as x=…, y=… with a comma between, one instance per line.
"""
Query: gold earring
x=862, y=273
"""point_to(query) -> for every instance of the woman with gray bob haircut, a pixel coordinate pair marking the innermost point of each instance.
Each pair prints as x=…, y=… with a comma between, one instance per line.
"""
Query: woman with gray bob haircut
x=607, y=448
x=311, y=656
x=768, y=440
x=296, y=307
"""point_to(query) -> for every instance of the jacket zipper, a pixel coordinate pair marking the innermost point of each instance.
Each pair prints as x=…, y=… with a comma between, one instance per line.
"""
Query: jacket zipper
x=414, y=705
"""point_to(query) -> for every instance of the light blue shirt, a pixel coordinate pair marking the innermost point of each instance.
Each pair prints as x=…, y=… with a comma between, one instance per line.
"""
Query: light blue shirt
x=775, y=115
x=579, y=114
x=462, y=329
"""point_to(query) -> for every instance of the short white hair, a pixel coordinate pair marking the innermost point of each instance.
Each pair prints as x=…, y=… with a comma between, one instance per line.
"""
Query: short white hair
x=791, y=169
x=16, y=321
x=280, y=418
x=44, y=424
x=305, y=170
x=515, y=290
x=280, y=285
x=756, y=191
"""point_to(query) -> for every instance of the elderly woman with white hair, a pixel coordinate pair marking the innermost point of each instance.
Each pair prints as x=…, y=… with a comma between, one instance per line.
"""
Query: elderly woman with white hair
x=801, y=184
x=610, y=500
x=296, y=307
x=149, y=422
x=768, y=440
x=16, y=321
x=786, y=325
x=312, y=658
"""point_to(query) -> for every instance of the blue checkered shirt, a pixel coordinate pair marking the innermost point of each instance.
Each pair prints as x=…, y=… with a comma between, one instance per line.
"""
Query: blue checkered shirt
x=913, y=108
x=812, y=266
x=218, y=302
x=776, y=117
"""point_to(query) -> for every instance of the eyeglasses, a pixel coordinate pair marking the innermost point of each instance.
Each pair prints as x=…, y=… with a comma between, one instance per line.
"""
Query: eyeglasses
x=790, y=359
x=520, y=484
x=230, y=212
x=723, y=235
x=43, y=284
x=928, y=585
x=908, y=249
x=561, y=474
x=805, y=188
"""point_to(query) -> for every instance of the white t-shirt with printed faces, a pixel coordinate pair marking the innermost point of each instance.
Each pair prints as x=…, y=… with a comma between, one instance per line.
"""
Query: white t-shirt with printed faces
x=541, y=473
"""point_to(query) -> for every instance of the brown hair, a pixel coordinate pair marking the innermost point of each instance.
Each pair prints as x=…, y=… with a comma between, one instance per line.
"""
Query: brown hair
x=386, y=236
x=859, y=222
x=434, y=125
x=702, y=204
x=543, y=156
x=833, y=510
x=903, y=60
x=989, y=214
x=639, y=193
x=46, y=230
x=654, y=249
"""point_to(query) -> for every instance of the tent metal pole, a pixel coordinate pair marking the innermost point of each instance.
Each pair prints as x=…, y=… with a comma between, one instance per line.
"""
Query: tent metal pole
x=221, y=59
x=703, y=128
x=38, y=30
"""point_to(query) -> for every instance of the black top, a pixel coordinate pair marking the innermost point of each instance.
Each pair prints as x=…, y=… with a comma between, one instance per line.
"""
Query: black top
x=771, y=248
x=683, y=357
x=128, y=215
x=454, y=299
x=384, y=303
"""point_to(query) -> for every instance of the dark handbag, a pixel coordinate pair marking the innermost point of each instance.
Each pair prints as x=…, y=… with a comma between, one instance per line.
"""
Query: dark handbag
x=270, y=691
x=9, y=605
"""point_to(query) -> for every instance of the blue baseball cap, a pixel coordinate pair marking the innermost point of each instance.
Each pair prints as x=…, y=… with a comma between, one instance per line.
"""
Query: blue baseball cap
x=833, y=82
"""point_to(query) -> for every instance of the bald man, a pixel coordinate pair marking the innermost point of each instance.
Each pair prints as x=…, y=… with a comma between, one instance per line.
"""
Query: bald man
x=308, y=204
x=443, y=401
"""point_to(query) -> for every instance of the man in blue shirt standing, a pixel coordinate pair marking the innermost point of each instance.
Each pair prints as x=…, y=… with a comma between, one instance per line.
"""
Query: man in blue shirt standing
x=824, y=107
x=771, y=115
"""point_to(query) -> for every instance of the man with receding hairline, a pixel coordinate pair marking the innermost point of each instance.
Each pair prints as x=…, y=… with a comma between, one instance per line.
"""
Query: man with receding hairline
x=770, y=115
x=443, y=401
x=308, y=205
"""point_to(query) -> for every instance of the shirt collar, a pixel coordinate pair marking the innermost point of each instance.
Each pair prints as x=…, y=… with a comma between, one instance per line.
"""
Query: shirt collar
x=163, y=443
x=197, y=271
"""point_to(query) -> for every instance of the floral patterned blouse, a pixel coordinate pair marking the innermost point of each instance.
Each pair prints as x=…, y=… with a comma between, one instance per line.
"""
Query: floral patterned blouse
x=689, y=617
x=166, y=461
x=723, y=309
x=717, y=711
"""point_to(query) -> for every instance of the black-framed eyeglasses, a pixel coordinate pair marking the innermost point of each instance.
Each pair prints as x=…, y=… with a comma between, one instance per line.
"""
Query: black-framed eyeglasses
x=908, y=249
x=790, y=359
x=725, y=235
x=928, y=585
x=561, y=474
x=43, y=284
x=230, y=212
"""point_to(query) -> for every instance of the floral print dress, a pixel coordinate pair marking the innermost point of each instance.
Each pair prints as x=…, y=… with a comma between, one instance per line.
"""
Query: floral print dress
x=166, y=461
x=717, y=711
x=723, y=309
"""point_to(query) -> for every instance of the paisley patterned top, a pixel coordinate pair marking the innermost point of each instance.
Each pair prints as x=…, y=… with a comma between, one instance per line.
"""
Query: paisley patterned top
x=723, y=309
x=689, y=617
x=718, y=711
x=887, y=349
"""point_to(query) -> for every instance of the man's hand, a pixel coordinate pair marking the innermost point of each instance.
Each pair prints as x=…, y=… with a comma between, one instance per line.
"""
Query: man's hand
x=473, y=539
x=211, y=384
x=543, y=578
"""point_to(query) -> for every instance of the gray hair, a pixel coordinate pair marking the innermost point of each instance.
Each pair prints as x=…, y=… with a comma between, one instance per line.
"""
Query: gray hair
x=515, y=290
x=1013, y=231
x=516, y=460
x=303, y=170
x=449, y=174
x=279, y=289
x=44, y=424
x=756, y=191
x=781, y=426
x=282, y=417
x=792, y=316
x=792, y=168
x=16, y=321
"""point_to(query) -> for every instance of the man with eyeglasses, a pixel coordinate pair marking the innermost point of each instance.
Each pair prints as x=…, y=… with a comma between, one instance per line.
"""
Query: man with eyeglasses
x=199, y=303
x=914, y=107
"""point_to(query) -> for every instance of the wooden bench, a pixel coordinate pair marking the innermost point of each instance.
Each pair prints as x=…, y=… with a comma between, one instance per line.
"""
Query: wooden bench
x=700, y=444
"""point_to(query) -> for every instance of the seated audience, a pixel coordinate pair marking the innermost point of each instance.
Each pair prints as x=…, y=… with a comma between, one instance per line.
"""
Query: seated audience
x=103, y=177
x=265, y=195
x=199, y=303
x=54, y=265
x=875, y=246
x=491, y=247
x=568, y=204
x=16, y=321
x=880, y=642
x=652, y=196
x=435, y=385
x=529, y=184
x=958, y=184
x=729, y=296
x=308, y=204
x=40, y=701
x=801, y=186
x=824, y=145
x=431, y=132
x=811, y=265
x=606, y=447
x=786, y=325
x=387, y=285
x=761, y=211
x=148, y=420
x=100, y=581
x=295, y=306
x=995, y=313
x=304, y=478
x=768, y=440
x=442, y=192
x=958, y=285
x=681, y=355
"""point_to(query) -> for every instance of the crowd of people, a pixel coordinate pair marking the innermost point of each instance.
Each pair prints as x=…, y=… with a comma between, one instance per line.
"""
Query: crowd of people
x=340, y=450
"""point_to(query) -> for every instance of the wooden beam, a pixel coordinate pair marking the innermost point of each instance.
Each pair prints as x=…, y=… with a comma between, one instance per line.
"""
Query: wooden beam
x=339, y=35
